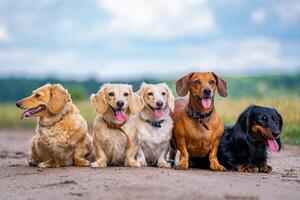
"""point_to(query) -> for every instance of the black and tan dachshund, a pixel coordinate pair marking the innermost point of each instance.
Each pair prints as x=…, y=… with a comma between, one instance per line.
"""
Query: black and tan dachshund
x=244, y=146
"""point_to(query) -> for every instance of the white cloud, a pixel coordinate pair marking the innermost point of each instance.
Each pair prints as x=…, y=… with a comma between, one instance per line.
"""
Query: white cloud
x=4, y=34
x=158, y=18
x=230, y=57
x=258, y=16
x=288, y=11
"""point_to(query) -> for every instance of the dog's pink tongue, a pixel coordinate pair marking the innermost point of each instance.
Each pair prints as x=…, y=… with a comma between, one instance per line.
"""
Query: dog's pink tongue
x=158, y=113
x=206, y=102
x=273, y=145
x=121, y=116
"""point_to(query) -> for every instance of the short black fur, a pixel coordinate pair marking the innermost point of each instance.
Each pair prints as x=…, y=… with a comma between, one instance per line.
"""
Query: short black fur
x=241, y=146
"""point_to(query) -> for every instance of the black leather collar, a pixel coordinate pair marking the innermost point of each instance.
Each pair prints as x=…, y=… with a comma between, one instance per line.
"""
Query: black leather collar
x=155, y=123
x=199, y=117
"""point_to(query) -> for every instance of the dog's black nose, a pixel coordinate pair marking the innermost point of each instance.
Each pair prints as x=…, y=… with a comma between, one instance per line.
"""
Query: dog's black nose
x=207, y=91
x=120, y=104
x=159, y=103
x=18, y=104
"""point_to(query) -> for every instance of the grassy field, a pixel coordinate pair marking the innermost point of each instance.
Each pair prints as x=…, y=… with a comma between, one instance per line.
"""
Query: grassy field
x=230, y=108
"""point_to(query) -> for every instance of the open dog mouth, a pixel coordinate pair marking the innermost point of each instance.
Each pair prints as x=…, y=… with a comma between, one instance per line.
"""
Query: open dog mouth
x=120, y=115
x=267, y=135
x=158, y=112
x=205, y=101
x=30, y=112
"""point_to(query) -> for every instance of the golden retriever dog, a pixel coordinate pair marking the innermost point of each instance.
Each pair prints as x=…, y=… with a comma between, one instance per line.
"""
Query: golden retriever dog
x=114, y=134
x=154, y=124
x=62, y=137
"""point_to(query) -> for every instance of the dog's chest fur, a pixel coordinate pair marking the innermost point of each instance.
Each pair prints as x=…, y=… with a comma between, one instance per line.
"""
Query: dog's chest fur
x=199, y=140
x=56, y=141
x=153, y=140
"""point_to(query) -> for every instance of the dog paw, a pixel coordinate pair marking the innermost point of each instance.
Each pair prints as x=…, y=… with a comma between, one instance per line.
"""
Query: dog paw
x=248, y=169
x=43, y=165
x=98, y=164
x=265, y=169
x=82, y=163
x=217, y=167
x=182, y=165
x=142, y=163
x=131, y=163
x=163, y=165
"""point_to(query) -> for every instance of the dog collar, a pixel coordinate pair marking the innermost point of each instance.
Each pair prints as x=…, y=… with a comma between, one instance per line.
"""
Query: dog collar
x=200, y=117
x=114, y=126
x=155, y=123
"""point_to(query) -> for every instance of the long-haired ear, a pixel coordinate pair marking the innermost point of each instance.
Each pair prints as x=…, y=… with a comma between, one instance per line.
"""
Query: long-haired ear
x=98, y=100
x=59, y=97
x=135, y=103
x=221, y=86
x=182, y=86
x=243, y=121
x=141, y=91
x=170, y=99
x=280, y=119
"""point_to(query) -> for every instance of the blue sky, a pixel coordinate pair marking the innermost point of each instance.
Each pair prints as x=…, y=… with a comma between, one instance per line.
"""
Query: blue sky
x=122, y=39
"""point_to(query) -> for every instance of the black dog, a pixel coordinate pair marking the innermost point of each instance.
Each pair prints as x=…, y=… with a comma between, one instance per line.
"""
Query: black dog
x=243, y=146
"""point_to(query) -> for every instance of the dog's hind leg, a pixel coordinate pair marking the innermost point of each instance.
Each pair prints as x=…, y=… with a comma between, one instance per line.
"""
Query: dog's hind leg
x=79, y=155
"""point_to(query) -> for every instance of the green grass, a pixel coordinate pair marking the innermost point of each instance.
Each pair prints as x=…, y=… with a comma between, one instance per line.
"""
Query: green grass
x=230, y=108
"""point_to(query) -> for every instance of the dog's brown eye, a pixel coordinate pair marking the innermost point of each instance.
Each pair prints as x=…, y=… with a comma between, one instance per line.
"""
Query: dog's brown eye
x=37, y=95
x=111, y=94
x=163, y=93
x=126, y=94
x=150, y=94
x=264, y=118
x=197, y=82
x=212, y=82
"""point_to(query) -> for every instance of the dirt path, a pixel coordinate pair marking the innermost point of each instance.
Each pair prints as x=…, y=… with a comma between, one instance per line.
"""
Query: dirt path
x=17, y=181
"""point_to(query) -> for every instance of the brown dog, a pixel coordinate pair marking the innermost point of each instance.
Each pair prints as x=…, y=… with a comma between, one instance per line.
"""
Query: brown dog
x=198, y=127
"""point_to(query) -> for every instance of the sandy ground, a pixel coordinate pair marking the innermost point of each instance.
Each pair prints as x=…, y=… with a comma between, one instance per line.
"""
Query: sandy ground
x=17, y=181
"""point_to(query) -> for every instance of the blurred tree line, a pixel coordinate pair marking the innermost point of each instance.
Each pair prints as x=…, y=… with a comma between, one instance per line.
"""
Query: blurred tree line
x=13, y=88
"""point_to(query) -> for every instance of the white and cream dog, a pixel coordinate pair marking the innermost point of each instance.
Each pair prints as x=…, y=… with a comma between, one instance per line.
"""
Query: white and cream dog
x=154, y=125
x=114, y=134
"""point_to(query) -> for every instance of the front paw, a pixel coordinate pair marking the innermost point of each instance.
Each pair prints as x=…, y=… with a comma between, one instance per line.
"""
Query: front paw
x=164, y=164
x=45, y=165
x=248, y=169
x=131, y=163
x=264, y=168
x=82, y=163
x=214, y=165
x=98, y=164
x=182, y=165
x=142, y=163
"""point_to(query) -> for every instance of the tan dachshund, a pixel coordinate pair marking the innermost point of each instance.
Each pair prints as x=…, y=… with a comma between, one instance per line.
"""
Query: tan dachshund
x=198, y=127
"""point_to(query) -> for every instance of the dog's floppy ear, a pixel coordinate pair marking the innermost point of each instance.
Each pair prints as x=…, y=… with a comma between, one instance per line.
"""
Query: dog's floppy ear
x=141, y=91
x=59, y=97
x=98, y=100
x=182, y=85
x=135, y=103
x=243, y=122
x=170, y=99
x=280, y=119
x=221, y=86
